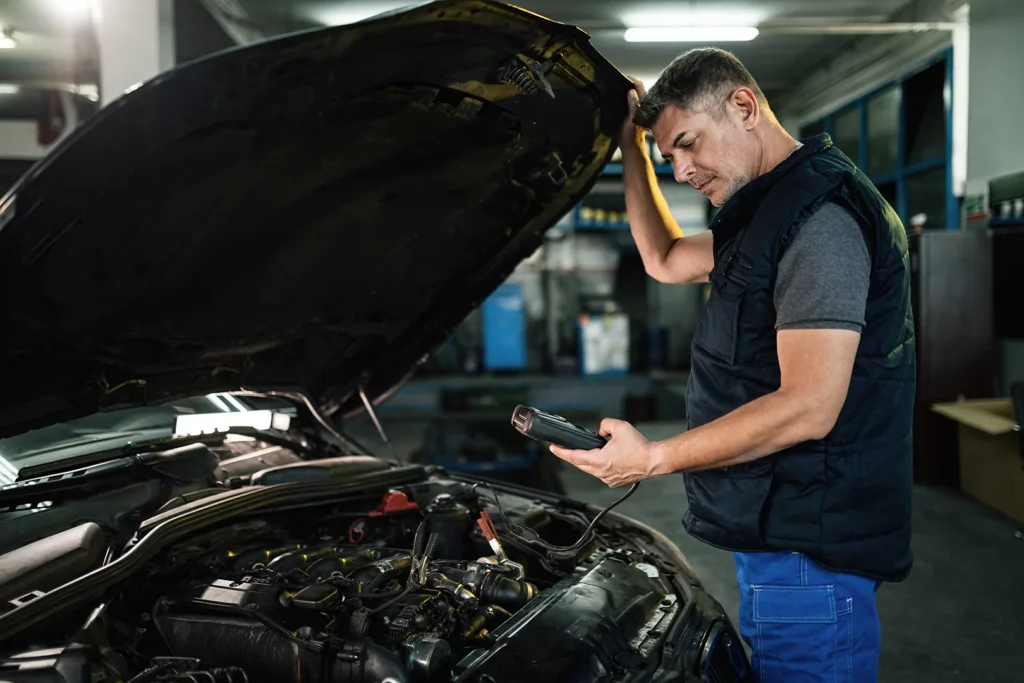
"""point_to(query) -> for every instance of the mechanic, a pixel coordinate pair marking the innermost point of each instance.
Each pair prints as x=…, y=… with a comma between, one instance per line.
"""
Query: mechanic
x=801, y=391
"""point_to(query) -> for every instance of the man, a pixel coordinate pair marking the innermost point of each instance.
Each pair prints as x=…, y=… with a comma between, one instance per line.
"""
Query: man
x=801, y=390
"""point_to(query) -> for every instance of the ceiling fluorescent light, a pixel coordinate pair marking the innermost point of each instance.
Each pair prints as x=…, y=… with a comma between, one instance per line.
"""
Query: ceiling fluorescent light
x=7, y=39
x=690, y=34
x=350, y=12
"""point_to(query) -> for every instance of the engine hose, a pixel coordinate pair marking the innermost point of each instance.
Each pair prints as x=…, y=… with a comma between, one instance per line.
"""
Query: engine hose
x=398, y=596
x=377, y=573
x=439, y=581
x=414, y=560
x=364, y=661
x=556, y=551
x=492, y=587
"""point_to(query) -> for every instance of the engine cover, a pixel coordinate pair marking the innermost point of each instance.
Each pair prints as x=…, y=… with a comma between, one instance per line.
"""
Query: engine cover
x=581, y=629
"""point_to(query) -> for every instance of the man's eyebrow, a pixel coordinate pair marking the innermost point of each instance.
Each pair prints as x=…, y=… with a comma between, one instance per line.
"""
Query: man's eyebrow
x=679, y=138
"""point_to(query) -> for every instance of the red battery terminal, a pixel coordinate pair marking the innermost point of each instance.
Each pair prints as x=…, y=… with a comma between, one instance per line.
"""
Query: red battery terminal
x=394, y=501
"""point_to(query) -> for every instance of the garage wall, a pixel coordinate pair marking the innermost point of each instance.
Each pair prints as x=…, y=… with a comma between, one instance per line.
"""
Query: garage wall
x=996, y=98
x=996, y=143
x=18, y=140
x=136, y=43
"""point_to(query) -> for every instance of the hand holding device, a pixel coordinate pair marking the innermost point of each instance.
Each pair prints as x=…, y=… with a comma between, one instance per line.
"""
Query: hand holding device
x=556, y=430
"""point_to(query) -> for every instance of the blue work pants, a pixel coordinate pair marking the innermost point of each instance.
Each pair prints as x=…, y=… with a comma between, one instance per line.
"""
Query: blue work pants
x=806, y=624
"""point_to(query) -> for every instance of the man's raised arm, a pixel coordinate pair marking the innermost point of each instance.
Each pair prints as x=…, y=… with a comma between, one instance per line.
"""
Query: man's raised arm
x=667, y=255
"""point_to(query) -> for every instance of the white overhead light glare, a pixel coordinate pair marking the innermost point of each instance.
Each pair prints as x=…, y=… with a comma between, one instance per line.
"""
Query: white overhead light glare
x=73, y=10
x=7, y=40
x=690, y=34
x=351, y=12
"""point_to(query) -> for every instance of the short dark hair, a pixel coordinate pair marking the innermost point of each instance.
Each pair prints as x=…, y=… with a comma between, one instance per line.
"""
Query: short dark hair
x=701, y=79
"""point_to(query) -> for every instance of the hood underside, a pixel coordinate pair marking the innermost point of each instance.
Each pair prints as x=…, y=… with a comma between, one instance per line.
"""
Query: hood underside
x=318, y=211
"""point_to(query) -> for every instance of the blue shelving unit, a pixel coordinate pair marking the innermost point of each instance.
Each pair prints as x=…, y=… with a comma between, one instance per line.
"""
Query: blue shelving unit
x=615, y=170
x=579, y=224
x=595, y=225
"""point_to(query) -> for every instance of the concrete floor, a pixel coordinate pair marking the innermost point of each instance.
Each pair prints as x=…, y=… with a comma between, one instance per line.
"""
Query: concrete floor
x=958, y=617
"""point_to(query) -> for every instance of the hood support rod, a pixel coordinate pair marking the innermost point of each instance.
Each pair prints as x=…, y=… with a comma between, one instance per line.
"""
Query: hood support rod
x=376, y=423
x=302, y=398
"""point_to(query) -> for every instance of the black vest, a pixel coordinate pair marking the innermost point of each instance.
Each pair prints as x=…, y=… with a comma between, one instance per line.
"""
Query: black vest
x=844, y=500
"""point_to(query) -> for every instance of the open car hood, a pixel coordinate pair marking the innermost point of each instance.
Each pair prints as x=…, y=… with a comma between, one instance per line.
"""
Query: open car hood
x=317, y=211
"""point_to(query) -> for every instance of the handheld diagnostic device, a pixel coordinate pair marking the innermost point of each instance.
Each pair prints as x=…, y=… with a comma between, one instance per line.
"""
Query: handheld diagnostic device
x=555, y=429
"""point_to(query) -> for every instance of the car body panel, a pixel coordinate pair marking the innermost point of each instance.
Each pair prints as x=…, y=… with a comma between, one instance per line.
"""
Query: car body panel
x=317, y=211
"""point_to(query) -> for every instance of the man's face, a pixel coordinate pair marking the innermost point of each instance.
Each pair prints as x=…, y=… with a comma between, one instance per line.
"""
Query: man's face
x=715, y=154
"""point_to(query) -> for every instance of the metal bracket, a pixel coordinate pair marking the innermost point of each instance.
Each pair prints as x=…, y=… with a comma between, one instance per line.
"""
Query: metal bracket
x=528, y=75
x=647, y=638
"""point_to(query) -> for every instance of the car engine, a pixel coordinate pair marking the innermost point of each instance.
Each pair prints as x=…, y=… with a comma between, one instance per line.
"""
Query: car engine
x=375, y=597
x=423, y=583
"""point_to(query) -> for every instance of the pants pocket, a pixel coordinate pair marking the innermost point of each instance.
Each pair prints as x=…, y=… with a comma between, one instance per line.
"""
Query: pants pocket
x=802, y=635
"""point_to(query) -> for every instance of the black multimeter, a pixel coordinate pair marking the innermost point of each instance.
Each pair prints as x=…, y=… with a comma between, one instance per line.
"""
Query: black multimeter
x=554, y=429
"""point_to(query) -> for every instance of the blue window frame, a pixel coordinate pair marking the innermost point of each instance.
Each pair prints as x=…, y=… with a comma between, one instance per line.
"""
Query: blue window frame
x=901, y=135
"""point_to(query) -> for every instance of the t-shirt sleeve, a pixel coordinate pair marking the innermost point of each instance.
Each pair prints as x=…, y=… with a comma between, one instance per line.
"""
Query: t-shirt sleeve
x=823, y=276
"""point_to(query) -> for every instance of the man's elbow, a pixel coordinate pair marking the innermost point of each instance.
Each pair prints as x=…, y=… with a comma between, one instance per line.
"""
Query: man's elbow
x=819, y=421
x=659, y=273
x=664, y=275
x=820, y=426
x=815, y=417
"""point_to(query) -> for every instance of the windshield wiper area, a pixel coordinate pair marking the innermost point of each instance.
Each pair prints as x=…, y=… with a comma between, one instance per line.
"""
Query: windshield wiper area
x=161, y=443
x=191, y=463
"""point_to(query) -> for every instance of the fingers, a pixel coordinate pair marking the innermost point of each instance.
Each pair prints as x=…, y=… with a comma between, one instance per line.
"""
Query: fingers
x=585, y=461
x=577, y=458
x=610, y=426
x=638, y=90
x=634, y=95
x=633, y=100
x=592, y=463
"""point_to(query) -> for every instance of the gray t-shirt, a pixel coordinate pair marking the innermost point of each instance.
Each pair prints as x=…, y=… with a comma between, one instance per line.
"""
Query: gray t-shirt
x=823, y=276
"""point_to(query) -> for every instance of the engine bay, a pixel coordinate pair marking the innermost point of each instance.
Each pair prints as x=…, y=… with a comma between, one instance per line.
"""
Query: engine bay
x=426, y=582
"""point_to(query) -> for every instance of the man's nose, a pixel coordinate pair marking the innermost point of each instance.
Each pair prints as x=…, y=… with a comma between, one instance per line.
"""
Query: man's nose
x=683, y=169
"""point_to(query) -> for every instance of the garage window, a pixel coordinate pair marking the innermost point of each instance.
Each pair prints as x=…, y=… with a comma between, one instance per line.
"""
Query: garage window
x=899, y=135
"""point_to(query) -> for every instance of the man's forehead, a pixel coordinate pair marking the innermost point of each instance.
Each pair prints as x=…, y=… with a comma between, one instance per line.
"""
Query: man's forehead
x=674, y=122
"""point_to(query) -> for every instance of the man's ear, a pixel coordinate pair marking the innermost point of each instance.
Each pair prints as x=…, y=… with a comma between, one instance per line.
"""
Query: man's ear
x=745, y=107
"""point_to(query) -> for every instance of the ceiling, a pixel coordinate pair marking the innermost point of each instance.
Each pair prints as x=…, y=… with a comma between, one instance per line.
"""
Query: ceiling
x=55, y=44
x=777, y=61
